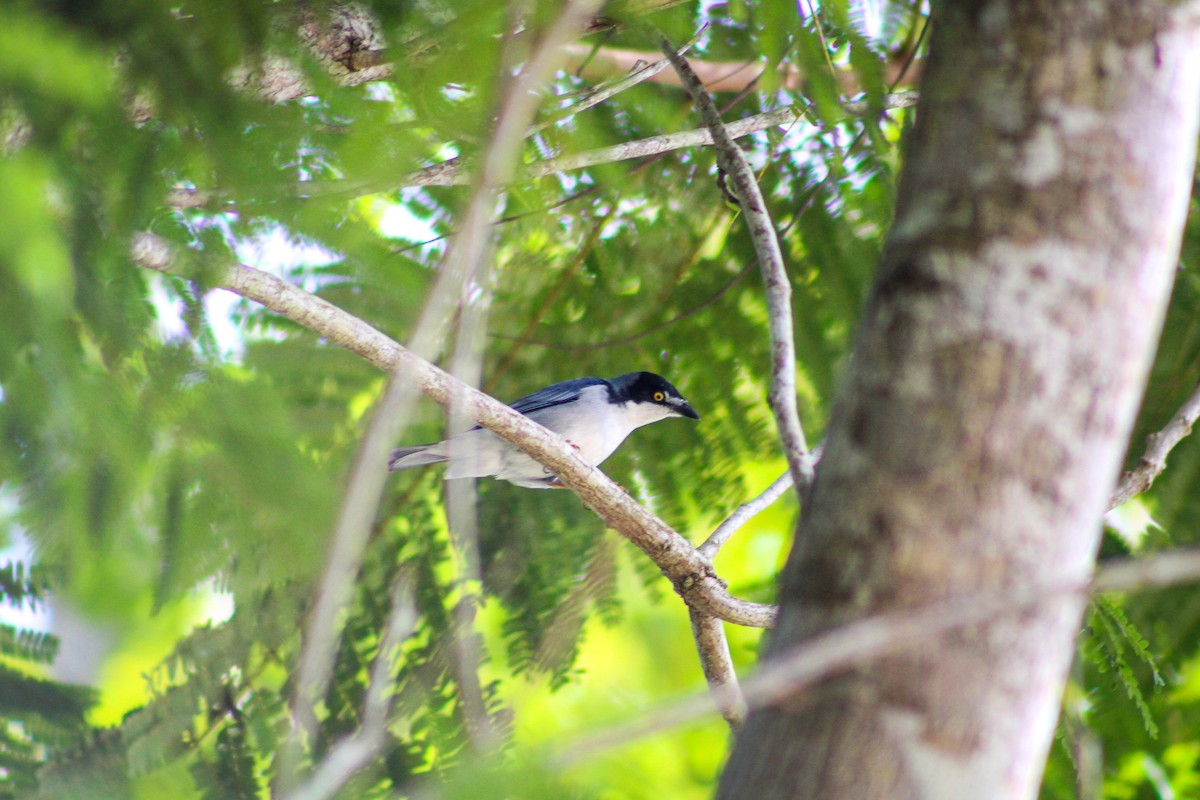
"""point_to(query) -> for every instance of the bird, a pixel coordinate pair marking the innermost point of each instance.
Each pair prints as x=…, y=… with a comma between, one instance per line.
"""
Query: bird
x=594, y=415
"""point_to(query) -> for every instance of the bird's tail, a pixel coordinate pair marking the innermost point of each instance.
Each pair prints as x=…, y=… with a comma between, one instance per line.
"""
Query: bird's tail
x=419, y=456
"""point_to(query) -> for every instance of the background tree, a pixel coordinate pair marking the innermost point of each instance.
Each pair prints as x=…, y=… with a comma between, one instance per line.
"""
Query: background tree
x=443, y=174
x=978, y=437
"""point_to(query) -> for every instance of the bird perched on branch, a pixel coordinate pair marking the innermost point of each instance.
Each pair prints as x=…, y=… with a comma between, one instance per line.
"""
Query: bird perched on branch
x=594, y=415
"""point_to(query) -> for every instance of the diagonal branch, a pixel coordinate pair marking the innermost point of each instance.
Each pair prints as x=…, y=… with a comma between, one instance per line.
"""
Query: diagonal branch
x=1158, y=446
x=639, y=72
x=455, y=172
x=747, y=511
x=782, y=396
x=744, y=514
x=690, y=573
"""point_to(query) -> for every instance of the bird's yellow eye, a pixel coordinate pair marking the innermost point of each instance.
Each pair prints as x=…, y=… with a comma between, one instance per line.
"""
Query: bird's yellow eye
x=659, y=397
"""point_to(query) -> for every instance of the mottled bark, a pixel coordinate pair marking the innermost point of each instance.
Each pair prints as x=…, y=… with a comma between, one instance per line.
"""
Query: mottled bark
x=980, y=427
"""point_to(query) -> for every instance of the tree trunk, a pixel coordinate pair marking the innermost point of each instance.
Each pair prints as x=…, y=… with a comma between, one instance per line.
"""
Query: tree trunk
x=995, y=379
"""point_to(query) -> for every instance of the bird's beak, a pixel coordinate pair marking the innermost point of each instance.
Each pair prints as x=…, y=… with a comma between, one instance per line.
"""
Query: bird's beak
x=683, y=409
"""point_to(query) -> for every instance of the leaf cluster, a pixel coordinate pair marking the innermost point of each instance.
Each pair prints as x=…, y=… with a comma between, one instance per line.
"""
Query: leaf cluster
x=155, y=453
x=161, y=442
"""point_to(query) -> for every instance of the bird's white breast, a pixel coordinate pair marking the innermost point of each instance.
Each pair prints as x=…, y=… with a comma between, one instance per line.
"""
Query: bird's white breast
x=592, y=424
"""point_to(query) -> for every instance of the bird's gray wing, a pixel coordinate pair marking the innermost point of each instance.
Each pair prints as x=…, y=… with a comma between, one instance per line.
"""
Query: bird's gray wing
x=555, y=394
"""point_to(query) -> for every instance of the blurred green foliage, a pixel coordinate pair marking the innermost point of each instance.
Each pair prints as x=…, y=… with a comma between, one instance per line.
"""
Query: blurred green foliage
x=159, y=443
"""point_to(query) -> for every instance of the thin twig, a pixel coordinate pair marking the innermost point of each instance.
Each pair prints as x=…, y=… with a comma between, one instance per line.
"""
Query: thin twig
x=744, y=514
x=782, y=395
x=1158, y=446
x=347, y=544
x=718, y=75
x=850, y=645
x=708, y=631
x=861, y=108
x=471, y=246
x=910, y=54
x=610, y=89
x=747, y=511
x=690, y=573
x=812, y=12
x=365, y=488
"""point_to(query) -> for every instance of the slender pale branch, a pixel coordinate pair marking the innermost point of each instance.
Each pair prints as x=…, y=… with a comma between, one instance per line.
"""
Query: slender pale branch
x=449, y=173
x=747, y=511
x=717, y=664
x=731, y=159
x=689, y=572
x=639, y=72
x=744, y=514
x=1158, y=446
x=860, y=108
